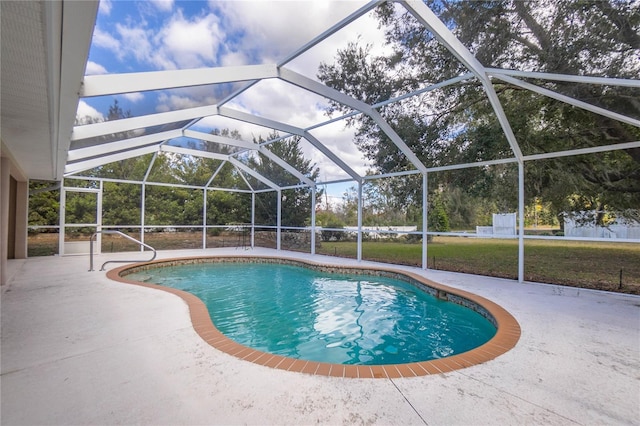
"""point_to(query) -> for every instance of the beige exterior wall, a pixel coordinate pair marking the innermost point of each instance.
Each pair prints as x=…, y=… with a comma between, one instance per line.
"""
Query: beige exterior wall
x=5, y=185
x=14, y=209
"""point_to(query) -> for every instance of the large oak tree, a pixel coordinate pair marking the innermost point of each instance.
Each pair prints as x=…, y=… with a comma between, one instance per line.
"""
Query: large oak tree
x=456, y=124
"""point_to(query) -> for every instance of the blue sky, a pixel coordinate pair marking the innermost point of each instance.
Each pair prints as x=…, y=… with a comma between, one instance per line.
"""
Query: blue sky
x=137, y=36
x=140, y=36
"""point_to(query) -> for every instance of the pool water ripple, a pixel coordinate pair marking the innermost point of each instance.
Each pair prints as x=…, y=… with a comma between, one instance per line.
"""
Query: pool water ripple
x=342, y=319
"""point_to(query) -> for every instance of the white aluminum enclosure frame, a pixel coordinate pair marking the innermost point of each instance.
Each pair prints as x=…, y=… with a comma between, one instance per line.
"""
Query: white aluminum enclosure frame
x=86, y=158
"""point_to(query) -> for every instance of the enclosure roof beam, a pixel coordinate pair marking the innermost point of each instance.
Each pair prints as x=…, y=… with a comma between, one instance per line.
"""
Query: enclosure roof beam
x=330, y=31
x=111, y=147
x=319, y=146
x=320, y=89
x=242, y=191
x=397, y=140
x=246, y=181
x=274, y=140
x=470, y=165
x=502, y=119
x=430, y=88
x=581, y=151
x=320, y=38
x=219, y=139
x=363, y=108
x=259, y=121
x=265, y=122
x=605, y=81
x=279, y=161
x=132, y=123
x=150, y=167
x=253, y=173
x=113, y=84
x=429, y=19
x=106, y=159
x=333, y=157
x=313, y=86
x=237, y=92
x=213, y=176
x=251, y=146
x=569, y=100
x=465, y=76
x=193, y=152
x=337, y=96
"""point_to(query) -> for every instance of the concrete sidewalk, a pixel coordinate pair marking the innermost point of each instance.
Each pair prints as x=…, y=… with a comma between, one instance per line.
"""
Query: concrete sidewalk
x=78, y=348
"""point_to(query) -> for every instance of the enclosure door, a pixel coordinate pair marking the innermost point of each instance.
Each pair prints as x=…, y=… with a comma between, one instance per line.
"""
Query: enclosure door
x=80, y=217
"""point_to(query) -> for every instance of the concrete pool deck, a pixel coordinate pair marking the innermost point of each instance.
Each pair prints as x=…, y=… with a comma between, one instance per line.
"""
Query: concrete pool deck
x=78, y=348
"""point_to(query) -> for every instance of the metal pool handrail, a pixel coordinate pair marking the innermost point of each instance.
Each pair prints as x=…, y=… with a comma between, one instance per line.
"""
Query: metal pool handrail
x=116, y=261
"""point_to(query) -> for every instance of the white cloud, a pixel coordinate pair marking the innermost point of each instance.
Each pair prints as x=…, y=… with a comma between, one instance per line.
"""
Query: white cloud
x=248, y=131
x=278, y=28
x=182, y=99
x=234, y=59
x=94, y=68
x=280, y=101
x=135, y=42
x=339, y=140
x=189, y=43
x=105, y=7
x=86, y=113
x=180, y=43
x=105, y=40
x=364, y=30
x=283, y=102
x=133, y=97
x=238, y=33
x=163, y=5
x=273, y=30
x=243, y=32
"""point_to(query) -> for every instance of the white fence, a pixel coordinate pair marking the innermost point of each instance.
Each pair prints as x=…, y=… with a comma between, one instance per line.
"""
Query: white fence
x=582, y=228
x=503, y=224
x=379, y=232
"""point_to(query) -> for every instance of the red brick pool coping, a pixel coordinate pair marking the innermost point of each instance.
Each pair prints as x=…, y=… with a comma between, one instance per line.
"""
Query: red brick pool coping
x=506, y=337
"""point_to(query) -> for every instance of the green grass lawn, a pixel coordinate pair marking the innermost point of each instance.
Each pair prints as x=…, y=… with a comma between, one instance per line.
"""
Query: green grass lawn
x=581, y=264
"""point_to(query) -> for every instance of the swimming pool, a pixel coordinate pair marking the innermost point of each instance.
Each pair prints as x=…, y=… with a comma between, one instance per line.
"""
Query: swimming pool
x=303, y=316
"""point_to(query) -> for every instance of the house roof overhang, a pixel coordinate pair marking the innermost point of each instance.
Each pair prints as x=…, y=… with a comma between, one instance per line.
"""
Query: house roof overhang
x=45, y=46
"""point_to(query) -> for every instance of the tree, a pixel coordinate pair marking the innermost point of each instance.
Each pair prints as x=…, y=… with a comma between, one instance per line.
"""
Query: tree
x=438, y=220
x=121, y=204
x=457, y=124
x=296, y=203
x=44, y=204
x=224, y=207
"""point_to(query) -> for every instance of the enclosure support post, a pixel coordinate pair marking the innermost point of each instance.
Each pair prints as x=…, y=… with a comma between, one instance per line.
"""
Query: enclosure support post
x=143, y=197
x=99, y=215
x=313, y=220
x=425, y=212
x=360, y=203
x=63, y=210
x=521, y=221
x=253, y=219
x=204, y=218
x=279, y=220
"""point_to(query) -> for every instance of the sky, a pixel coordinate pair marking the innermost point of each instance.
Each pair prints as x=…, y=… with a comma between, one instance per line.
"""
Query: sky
x=153, y=35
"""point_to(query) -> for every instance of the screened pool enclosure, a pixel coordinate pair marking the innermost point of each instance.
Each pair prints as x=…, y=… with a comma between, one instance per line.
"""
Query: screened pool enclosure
x=225, y=142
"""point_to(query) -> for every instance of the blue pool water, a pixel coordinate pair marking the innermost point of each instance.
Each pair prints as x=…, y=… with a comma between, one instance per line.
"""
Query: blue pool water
x=343, y=319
